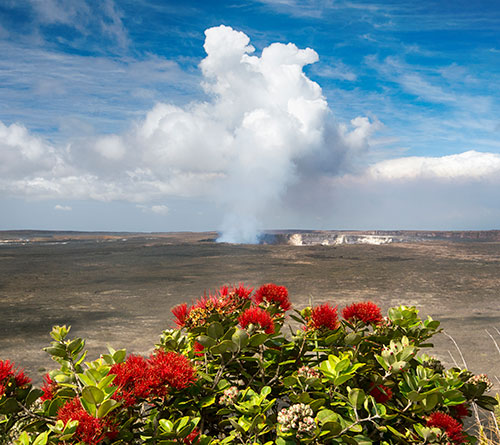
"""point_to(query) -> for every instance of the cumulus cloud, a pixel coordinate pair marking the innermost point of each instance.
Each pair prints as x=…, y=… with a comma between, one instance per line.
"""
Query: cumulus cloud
x=62, y=208
x=264, y=128
x=467, y=165
x=158, y=209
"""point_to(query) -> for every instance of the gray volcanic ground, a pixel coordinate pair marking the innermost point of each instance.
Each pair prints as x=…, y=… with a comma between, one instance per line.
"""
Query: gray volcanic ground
x=119, y=290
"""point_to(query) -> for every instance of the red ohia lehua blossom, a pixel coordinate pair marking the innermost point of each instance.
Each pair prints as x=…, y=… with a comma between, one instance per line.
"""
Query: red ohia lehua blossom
x=448, y=424
x=181, y=312
x=366, y=312
x=138, y=378
x=323, y=317
x=170, y=369
x=193, y=437
x=91, y=430
x=49, y=388
x=381, y=393
x=273, y=294
x=198, y=348
x=257, y=317
x=460, y=411
x=8, y=375
x=6, y=370
x=132, y=379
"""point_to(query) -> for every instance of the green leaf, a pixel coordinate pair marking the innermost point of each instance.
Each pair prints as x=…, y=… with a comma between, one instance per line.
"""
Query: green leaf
x=92, y=394
x=342, y=365
x=33, y=396
x=317, y=404
x=205, y=341
x=23, y=438
x=382, y=362
x=356, y=397
x=106, y=407
x=166, y=425
x=326, y=415
x=352, y=339
x=42, y=439
x=265, y=391
x=207, y=401
x=57, y=350
x=241, y=338
x=257, y=339
x=289, y=381
x=224, y=346
x=85, y=379
x=9, y=406
x=430, y=401
x=215, y=330
x=414, y=396
x=342, y=379
x=76, y=345
x=119, y=356
x=54, y=407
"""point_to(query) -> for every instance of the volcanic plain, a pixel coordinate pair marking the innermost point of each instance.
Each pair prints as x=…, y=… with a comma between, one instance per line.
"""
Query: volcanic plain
x=119, y=289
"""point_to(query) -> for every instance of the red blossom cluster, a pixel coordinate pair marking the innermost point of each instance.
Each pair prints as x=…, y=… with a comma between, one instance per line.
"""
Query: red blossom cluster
x=448, y=424
x=381, y=393
x=366, y=312
x=193, y=437
x=323, y=317
x=225, y=302
x=273, y=294
x=459, y=412
x=49, y=388
x=9, y=376
x=139, y=378
x=257, y=317
x=198, y=348
x=91, y=430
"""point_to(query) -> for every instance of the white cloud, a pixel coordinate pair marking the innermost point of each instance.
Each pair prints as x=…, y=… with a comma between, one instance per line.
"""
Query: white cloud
x=62, y=208
x=265, y=126
x=83, y=16
x=159, y=209
x=467, y=165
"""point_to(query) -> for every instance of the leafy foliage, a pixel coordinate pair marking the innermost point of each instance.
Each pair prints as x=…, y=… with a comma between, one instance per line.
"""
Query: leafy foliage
x=228, y=374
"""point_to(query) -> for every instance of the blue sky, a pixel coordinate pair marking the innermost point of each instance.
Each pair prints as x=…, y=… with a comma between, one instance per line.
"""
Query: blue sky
x=391, y=118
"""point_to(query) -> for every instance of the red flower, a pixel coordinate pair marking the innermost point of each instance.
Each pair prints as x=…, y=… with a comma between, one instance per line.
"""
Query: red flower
x=132, y=379
x=323, y=317
x=172, y=370
x=49, y=388
x=6, y=370
x=460, y=411
x=181, y=312
x=381, y=393
x=257, y=316
x=22, y=379
x=91, y=430
x=242, y=291
x=451, y=427
x=138, y=378
x=366, y=312
x=273, y=294
x=193, y=437
x=198, y=348
x=2, y=390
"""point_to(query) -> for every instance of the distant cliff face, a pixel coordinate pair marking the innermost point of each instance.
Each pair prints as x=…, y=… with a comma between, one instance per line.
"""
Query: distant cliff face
x=332, y=238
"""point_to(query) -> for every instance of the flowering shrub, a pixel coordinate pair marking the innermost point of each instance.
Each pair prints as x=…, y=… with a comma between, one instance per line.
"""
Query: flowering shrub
x=228, y=374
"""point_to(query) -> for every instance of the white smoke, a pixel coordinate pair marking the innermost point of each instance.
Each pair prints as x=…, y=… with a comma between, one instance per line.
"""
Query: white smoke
x=264, y=128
